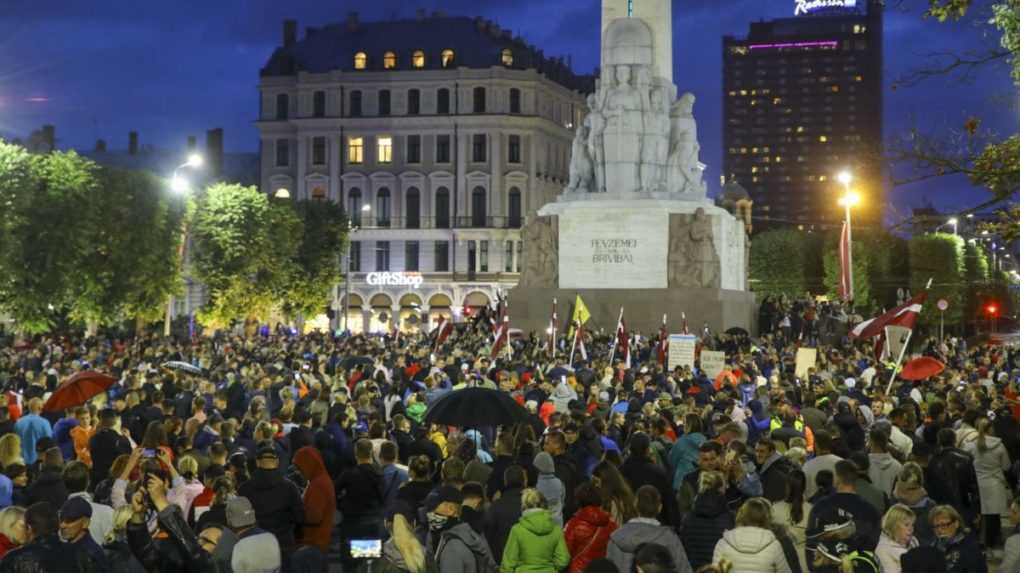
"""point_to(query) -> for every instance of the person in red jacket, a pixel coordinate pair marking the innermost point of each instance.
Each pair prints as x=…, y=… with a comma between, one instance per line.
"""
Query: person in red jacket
x=319, y=499
x=587, y=533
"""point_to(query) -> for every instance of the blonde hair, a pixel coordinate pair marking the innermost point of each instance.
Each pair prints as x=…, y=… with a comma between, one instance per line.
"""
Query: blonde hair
x=911, y=475
x=188, y=467
x=10, y=450
x=407, y=544
x=531, y=498
x=756, y=512
x=723, y=566
x=945, y=511
x=984, y=429
x=121, y=516
x=796, y=455
x=896, y=515
x=8, y=517
x=711, y=481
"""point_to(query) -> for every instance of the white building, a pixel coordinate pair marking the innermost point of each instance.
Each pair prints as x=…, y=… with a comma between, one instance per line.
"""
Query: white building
x=440, y=135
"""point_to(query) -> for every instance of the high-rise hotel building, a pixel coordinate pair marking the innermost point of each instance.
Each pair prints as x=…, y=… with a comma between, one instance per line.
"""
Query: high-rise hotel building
x=802, y=102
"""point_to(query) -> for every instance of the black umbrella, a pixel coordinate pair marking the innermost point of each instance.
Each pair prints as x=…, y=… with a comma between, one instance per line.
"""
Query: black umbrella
x=737, y=331
x=475, y=408
x=352, y=361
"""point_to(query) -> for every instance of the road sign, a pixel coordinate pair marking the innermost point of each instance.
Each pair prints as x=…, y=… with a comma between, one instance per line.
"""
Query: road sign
x=942, y=304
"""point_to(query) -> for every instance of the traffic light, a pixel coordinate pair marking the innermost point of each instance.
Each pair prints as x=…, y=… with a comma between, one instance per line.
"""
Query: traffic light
x=992, y=310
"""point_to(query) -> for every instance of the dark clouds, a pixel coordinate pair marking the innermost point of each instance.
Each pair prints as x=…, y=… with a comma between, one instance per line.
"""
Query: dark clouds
x=172, y=68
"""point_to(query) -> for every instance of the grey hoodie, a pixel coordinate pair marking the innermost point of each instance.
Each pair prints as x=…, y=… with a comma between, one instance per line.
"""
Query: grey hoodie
x=883, y=470
x=623, y=543
x=461, y=548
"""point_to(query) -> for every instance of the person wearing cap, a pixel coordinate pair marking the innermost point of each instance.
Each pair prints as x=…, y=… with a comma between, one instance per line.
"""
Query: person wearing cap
x=106, y=445
x=75, y=517
x=455, y=545
x=76, y=480
x=277, y=501
x=43, y=550
x=256, y=550
x=845, y=506
x=31, y=428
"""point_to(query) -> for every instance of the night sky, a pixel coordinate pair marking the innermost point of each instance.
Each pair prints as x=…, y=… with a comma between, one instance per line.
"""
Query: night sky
x=167, y=69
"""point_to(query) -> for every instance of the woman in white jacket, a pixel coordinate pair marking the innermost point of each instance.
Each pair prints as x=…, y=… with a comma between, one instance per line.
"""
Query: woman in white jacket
x=897, y=537
x=990, y=461
x=752, y=547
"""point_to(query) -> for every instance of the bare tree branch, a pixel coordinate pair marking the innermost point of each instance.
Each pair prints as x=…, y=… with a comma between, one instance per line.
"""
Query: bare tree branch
x=965, y=66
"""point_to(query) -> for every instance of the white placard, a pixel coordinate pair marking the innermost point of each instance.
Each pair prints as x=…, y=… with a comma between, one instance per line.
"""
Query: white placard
x=806, y=358
x=712, y=362
x=613, y=248
x=681, y=350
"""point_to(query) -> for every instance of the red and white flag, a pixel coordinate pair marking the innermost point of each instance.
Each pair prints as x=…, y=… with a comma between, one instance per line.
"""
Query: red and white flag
x=552, y=330
x=683, y=327
x=442, y=331
x=904, y=316
x=663, y=346
x=622, y=341
x=846, y=280
x=578, y=342
x=502, y=336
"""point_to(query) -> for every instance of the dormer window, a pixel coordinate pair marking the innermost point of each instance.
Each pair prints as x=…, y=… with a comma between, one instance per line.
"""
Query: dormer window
x=447, y=58
x=389, y=60
x=507, y=57
x=418, y=59
x=360, y=61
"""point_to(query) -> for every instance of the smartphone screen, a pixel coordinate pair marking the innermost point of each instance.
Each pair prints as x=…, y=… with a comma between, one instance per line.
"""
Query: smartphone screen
x=149, y=453
x=366, y=548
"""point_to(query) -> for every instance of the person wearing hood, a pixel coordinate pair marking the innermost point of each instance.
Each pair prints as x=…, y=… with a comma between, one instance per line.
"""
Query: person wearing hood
x=457, y=547
x=752, y=547
x=758, y=422
x=703, y=527
x=882, y=467
x=877, y=498
x=535, y=544
x=587, y=533
x=319, y=500
x=550, y=486
x=991, y=460
x=277, y=501
x=909, y=491
x=849, y=428
x=624, y=542
x=683, y=456
x=897, y=537
x=562, y=395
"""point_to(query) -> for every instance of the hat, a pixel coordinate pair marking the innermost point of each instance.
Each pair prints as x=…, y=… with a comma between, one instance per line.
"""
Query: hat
x=544, y=463
x=240, y=513
x=267, y=451
x=445, y=494
x=603, y=396
x=75, y=508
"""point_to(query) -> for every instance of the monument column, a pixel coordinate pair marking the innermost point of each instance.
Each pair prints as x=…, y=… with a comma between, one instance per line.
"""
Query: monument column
x=658, y=15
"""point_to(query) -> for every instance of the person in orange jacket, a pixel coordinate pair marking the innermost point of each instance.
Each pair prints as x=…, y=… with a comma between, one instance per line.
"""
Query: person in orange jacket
x=319, y=499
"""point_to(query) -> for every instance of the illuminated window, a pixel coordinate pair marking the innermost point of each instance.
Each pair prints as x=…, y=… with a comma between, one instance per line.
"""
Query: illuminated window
x=732, y=93
x=822, y=178
x=835, y=89
x=507, y=57
x=447, y=58
x=743, y=92
x=779, y=159
x=777, y=101
x=418, y=59
x=754, y=169
x=384, y=150
x=355, y=150
x=389, y=60
x=360, y=61
x=858, y=78
x=800, y=129
x=823, y=138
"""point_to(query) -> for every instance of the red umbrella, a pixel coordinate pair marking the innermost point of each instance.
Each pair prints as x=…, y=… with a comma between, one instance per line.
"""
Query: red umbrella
x=77, y=390
x=921, y=368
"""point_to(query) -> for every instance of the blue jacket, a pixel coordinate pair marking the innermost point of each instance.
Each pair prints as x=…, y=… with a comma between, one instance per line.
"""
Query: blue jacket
x=62, y=435
x=30, y=429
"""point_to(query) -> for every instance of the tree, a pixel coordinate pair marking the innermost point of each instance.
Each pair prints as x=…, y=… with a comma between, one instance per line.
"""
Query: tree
x=939, y=257
x=43, y=197
x=244, y=250
x=786, y=261
x=317, y=265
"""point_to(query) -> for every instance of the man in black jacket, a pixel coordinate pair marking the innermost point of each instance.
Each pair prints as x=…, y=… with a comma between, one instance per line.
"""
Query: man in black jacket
x=505, y=511
x=278, y=505
x=106, y=445
x=639, y=470
x=360, y=494
x=44, y=551
x=773, y=470
x=950, y=477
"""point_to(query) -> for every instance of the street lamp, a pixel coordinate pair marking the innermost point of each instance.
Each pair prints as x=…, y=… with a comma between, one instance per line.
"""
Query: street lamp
x=954, y=222
x=180, y=185
x=282, y=193
x=352, y=228
x=848, y=200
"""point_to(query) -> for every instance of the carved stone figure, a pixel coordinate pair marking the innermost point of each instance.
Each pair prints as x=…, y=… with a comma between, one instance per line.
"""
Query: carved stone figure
x=596, y=125
x=541, y=254
x=622, y=135
x=704, y=258
x=678, y=267
x=684, y=173
x=655, y=147
x=581, y=166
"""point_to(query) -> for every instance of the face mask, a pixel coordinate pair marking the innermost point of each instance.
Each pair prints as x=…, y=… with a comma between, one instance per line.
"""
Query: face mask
x=440, y=522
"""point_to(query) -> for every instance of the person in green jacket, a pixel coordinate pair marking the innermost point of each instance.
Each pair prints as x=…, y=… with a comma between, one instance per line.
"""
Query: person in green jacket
x=536, y=543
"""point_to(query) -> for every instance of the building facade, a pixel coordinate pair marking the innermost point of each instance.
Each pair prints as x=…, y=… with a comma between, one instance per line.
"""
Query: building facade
x=439, y=135
x=802, y=102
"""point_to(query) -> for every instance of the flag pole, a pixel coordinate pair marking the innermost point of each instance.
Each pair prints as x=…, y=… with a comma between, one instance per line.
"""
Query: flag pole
x=899, y=360
x=616, y=337
x=573, y=344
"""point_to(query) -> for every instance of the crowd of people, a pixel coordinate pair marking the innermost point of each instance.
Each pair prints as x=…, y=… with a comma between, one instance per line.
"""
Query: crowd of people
x=278, y=453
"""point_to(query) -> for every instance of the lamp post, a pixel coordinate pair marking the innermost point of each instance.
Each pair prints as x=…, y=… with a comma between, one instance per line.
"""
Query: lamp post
x=181, y=186
x=849, y=199
x=366, y=208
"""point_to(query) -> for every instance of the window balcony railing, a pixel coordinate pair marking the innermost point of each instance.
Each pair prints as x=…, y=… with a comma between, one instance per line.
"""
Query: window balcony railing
x=464, y=222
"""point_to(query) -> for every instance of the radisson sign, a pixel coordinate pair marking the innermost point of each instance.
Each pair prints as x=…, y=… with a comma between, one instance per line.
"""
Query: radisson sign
x=808, y=6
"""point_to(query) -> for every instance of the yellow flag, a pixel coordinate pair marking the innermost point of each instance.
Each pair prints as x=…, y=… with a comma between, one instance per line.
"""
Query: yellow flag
x=581, y=314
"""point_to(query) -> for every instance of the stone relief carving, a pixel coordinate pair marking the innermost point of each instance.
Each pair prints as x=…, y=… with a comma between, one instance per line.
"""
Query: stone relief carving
x=541, y=254
x=705, y=259
x=693, y=260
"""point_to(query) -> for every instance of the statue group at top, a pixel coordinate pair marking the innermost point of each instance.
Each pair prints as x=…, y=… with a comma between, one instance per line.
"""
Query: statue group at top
x=638, y=137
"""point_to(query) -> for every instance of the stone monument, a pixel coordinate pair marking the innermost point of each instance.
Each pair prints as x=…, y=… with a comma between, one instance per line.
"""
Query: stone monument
x=633, y=227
